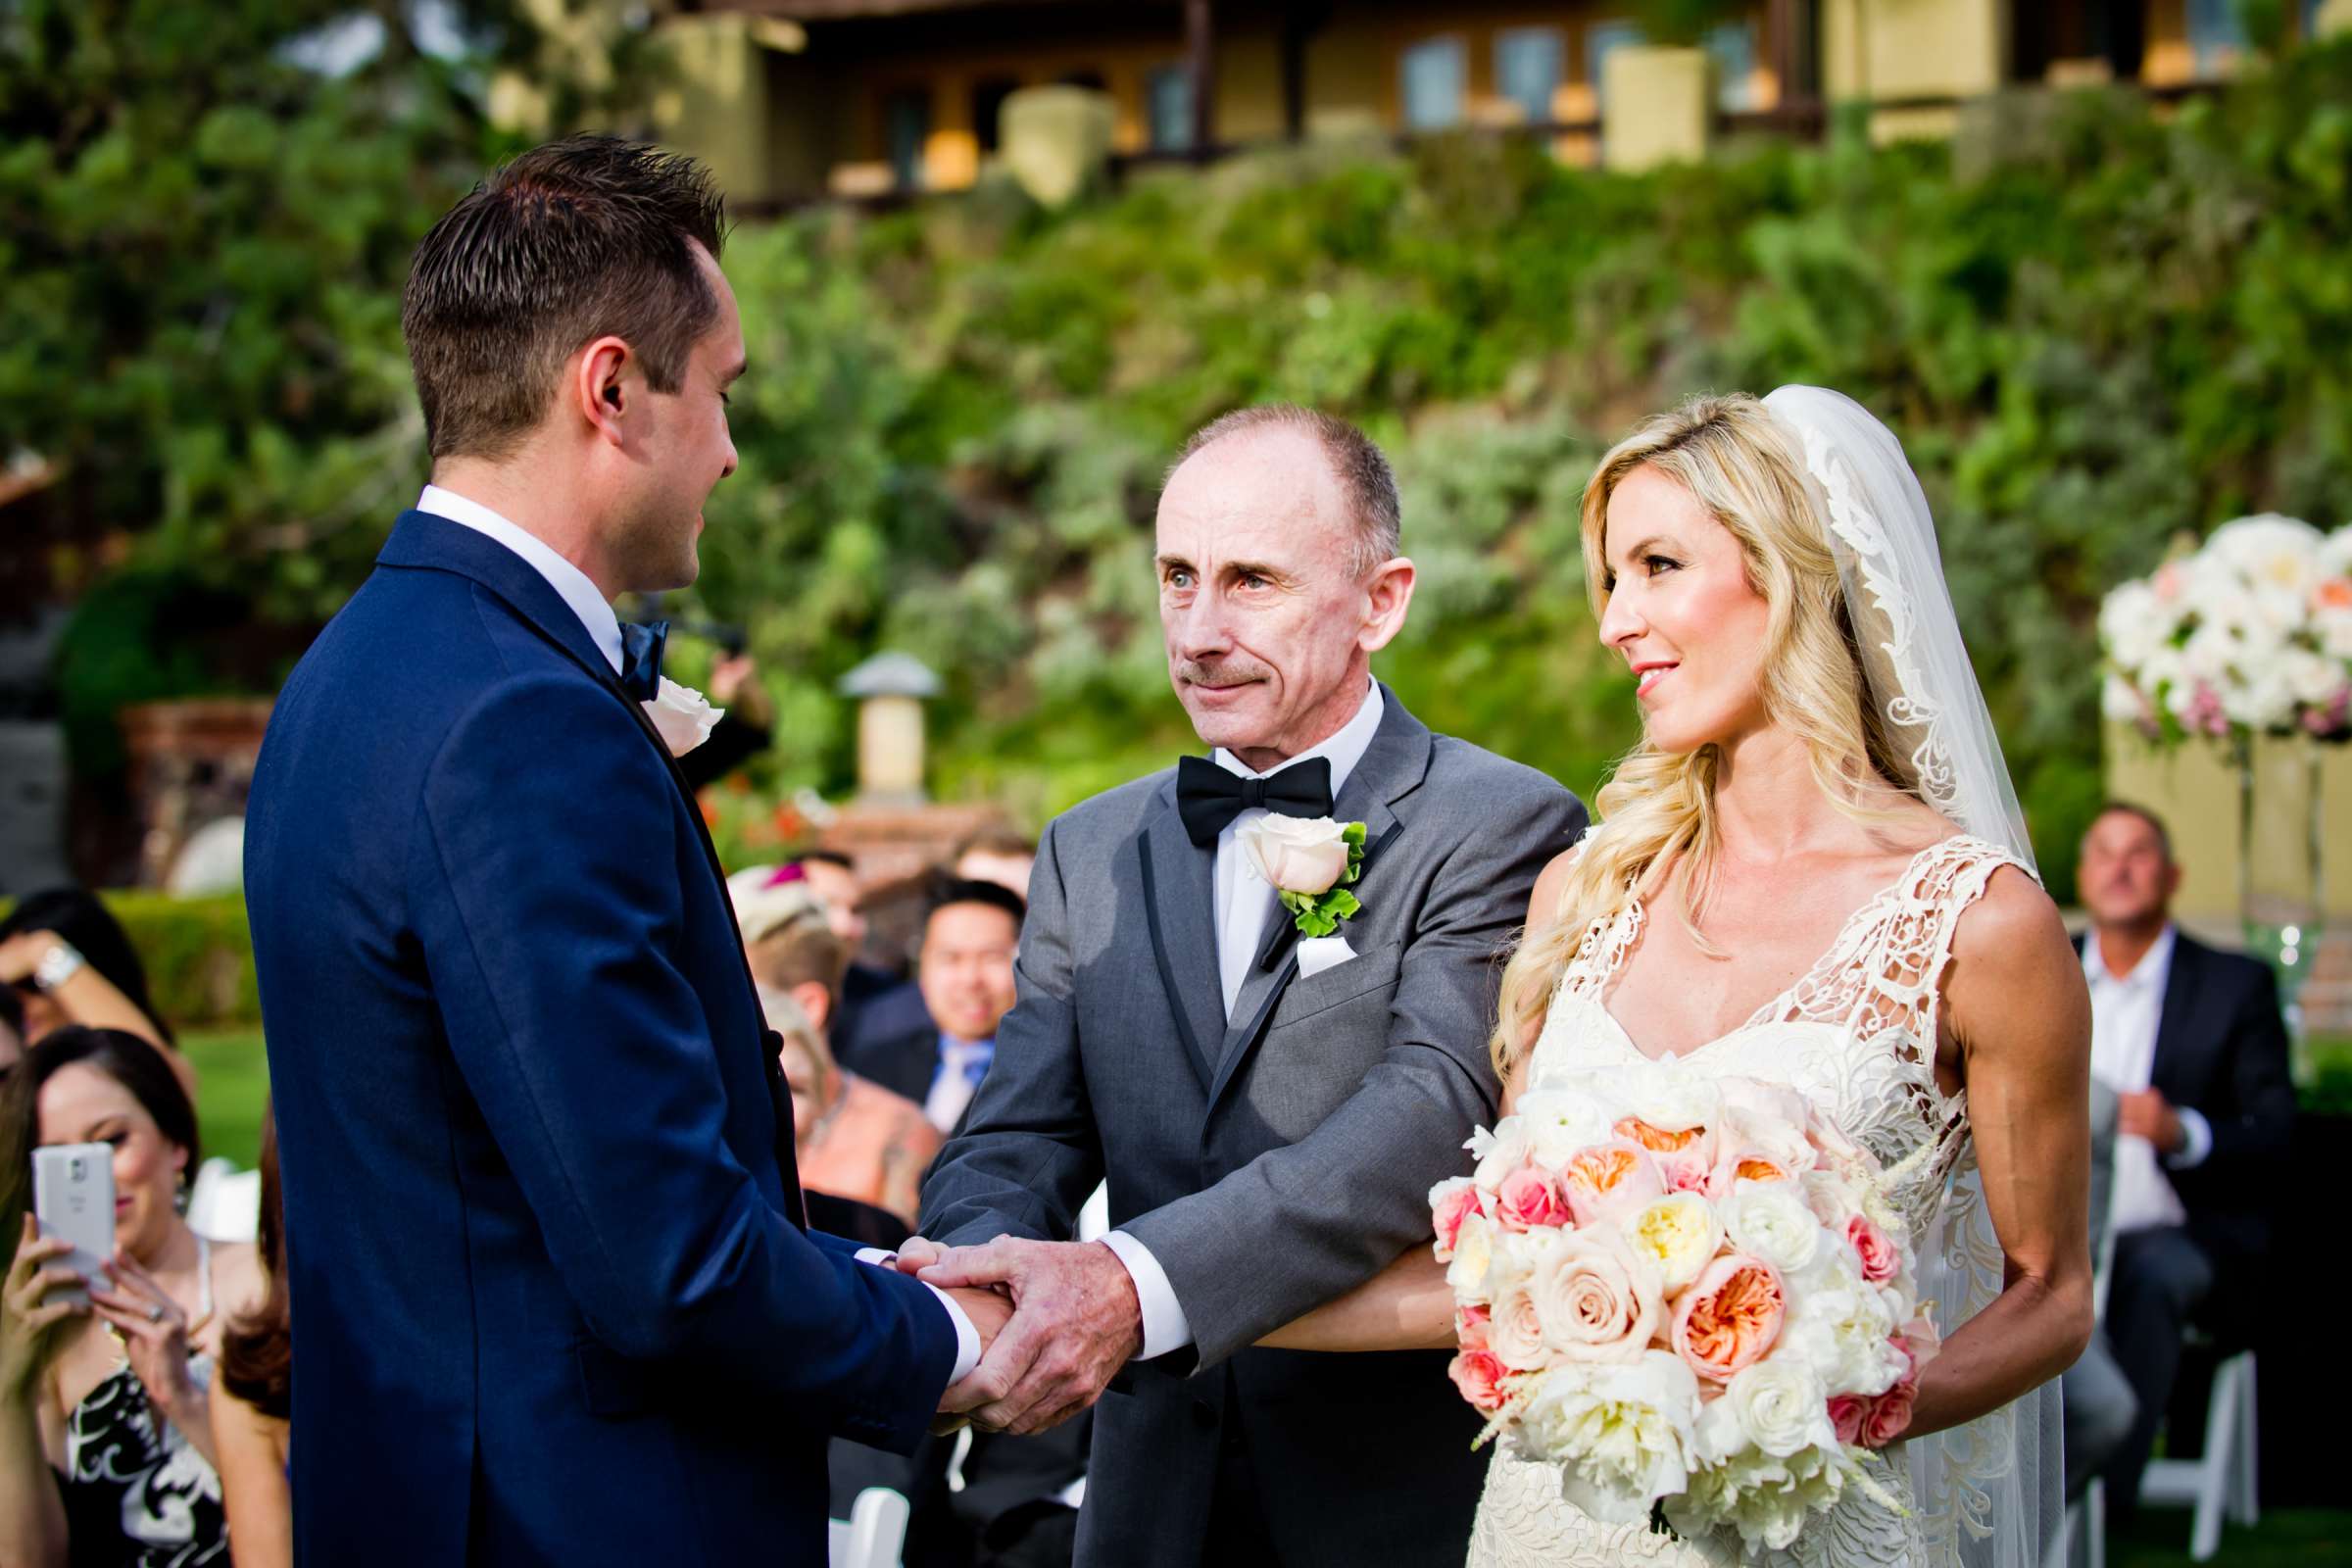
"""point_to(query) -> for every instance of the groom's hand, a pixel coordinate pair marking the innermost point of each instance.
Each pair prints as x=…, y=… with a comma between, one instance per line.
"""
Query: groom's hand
x=1075, y=1322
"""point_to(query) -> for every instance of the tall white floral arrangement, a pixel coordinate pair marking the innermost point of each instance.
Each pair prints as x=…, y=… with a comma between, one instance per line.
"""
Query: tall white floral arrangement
x=2249, y=635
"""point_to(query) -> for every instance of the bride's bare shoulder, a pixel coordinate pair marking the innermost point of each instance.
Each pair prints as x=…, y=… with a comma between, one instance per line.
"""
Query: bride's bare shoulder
x=1543, y=903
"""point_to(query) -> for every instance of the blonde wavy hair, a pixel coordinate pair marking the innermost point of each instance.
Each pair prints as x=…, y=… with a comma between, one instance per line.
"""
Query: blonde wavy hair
x=1657, y=810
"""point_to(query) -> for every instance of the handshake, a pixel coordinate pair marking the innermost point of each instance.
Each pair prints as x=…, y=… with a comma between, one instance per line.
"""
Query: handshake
x=1056, y=1321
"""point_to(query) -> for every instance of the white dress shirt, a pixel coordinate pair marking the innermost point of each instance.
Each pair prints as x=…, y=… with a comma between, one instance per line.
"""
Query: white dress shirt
x=570, y=582
x=2125, y=1011
x=576, y=589
x=1243, y=901
x=952, y=1082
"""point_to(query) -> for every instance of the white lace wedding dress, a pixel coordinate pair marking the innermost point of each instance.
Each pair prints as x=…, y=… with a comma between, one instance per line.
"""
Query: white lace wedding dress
x=1856, y=1034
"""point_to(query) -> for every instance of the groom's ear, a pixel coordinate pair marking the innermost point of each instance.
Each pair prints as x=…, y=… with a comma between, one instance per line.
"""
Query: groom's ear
x=1387, y=595
x=602, y=385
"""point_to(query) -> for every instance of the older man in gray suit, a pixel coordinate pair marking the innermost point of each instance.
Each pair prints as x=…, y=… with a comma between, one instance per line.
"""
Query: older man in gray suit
x=1270, y=1110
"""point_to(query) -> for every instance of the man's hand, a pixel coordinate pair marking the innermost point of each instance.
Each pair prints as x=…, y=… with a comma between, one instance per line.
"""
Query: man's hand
x=1075, y=1322
x=735, y=684
x=2146, y=1114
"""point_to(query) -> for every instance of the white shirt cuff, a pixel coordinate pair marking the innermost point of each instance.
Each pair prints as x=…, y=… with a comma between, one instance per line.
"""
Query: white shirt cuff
x=967, y=1338
x=1164, y=1326
x=2198, y=1139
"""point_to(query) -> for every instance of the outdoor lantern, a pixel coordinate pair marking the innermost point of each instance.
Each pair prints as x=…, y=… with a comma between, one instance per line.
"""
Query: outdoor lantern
x=890, y=689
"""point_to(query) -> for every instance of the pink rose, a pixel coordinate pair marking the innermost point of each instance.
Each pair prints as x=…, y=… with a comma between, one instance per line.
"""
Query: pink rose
x=1298, y=855
x=1610, y=1181
x=1479, y=1376
x=1728, y=1317
x=1921, y=1343
x=1470, y=1327
x=1530, y=1198
x=1681, y=1173
x=1881, y=1258
x=1847, y=1413
x=1890, y=1416
x=1449, y=1203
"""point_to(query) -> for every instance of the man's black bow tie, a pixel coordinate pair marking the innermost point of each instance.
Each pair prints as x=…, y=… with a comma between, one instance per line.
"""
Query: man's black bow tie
x=1208, y=797
x=640, y=658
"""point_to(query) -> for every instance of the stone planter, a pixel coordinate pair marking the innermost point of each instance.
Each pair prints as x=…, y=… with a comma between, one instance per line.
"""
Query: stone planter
x=191, y=763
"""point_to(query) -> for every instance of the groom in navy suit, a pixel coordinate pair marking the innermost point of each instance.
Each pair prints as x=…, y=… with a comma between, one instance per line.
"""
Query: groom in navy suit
x=559, y=1300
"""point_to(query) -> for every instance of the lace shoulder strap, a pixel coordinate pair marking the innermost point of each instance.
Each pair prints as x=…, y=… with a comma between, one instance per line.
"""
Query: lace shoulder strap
x=1944, y=883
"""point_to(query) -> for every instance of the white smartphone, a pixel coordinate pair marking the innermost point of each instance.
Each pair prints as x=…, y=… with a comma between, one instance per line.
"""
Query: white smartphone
x=73, y=1197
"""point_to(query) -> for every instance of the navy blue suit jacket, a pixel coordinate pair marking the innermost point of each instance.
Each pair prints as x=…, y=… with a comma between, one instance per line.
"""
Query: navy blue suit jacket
x=555, y=1301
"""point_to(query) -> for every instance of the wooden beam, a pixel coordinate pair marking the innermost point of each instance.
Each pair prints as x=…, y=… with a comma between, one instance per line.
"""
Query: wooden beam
x=1200, y=54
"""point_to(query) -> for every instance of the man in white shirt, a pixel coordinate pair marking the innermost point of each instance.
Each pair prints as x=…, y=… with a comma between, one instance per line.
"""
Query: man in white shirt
x=2190, y=1042
x=964, y=972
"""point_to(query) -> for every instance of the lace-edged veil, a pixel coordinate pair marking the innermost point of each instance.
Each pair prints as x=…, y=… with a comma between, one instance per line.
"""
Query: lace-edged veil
x=1990, y=1491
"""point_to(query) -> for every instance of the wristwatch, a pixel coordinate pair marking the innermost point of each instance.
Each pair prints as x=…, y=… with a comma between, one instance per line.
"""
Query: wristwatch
x=57, y=966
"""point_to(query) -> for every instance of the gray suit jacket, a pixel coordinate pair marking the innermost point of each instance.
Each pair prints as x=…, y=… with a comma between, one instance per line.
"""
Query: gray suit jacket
x=1270, y=1161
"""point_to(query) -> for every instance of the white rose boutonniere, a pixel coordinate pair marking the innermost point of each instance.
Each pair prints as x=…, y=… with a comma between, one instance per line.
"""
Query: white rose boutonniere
x=682, y=716
x=1310, y=862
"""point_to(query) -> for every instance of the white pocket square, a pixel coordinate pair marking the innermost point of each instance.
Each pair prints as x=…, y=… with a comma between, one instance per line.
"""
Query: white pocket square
x=1318, y=954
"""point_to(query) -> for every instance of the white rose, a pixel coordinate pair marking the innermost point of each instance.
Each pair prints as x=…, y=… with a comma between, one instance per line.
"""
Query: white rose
x=682, y=716
x=1778, y=1405
x=1841, y=1328
x=1673, y=1099
x=2336, y=552
x=1596, y=1299
x=1770, y=1221
x=1473, y=1260
x=1678, y=1236
x=1622, y=1432
x=1559, y=1122
x=2120, y=700
x=1296, y=855
x=1498, y=1152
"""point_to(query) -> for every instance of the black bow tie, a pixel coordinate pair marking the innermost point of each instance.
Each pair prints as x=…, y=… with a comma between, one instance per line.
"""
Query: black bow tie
x=640, y=658
x=1208, y=797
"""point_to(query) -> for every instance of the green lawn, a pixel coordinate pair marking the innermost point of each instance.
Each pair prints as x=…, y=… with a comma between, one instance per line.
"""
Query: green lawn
x=232, y=1079
x=2292, y=1537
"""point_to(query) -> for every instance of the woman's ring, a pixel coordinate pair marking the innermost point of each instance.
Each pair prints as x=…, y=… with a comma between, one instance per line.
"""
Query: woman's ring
x=155, y=1312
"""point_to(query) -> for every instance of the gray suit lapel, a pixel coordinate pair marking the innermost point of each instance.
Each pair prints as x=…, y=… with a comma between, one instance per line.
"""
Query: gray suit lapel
x=1179, y=887
x=1392, y=768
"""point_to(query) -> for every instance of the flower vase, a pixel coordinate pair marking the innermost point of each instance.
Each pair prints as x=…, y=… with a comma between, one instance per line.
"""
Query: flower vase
x=2280, y=895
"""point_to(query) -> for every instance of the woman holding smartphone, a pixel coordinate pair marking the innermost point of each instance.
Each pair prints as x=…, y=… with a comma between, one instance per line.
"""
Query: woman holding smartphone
x=112, y=1396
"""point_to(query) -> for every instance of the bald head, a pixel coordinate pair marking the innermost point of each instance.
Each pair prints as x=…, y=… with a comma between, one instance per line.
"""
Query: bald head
x=1366, y=487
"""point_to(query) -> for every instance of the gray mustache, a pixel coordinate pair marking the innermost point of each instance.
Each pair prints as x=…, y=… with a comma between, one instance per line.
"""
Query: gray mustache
x=1218, y=675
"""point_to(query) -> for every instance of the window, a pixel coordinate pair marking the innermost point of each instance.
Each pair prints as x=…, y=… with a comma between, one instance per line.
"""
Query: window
x=2216, y=34
x=1601, y=41
x=1433, y=77
x=1732, y=49
x=1168, y=91
x=1528, y=67
x=988, y=107
x=906, y=127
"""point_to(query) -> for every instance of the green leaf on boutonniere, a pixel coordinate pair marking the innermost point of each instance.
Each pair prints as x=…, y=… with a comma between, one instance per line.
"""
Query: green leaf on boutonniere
x=1318, y=915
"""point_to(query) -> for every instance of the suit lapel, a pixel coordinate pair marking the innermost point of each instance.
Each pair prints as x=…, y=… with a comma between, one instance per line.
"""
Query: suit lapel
x=2172, y=1035
x=1392, y=768
x=1180, y=901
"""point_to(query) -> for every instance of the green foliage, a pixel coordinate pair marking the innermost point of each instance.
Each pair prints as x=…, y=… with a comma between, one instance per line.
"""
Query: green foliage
x=198, y=954
x=2092, y=329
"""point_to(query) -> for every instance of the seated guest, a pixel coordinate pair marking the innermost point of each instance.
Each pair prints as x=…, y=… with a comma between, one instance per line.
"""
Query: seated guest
x=2191, y=1042
x=70, y=962
x=106, y=1437
x=996, y=854
x=964, y=970
x=855, y=1138
x=251, y=1406
x=791, y=947
x=12, y=1032
x=872, y=1003
x=2097, y=1404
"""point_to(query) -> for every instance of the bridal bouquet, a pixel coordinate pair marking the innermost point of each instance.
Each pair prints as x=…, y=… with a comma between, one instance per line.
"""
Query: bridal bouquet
x=1689, y=1293
x=2251, y=634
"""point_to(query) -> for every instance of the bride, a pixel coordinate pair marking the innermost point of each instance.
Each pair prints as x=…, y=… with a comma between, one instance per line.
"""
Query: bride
x=1814, y=871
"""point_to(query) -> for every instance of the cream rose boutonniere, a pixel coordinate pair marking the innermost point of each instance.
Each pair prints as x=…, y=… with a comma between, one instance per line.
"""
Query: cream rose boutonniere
x=682, y=716
x=1310, y=862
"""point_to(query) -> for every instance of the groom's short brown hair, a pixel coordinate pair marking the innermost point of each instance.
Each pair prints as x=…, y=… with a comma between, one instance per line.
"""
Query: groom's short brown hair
x=579, y=238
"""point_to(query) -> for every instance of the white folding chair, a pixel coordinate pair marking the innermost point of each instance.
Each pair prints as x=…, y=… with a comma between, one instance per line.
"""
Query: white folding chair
x=2221, y=1481
x=873, y=1535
